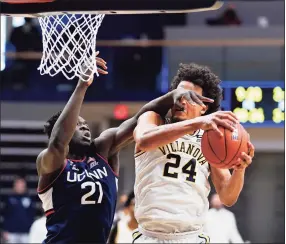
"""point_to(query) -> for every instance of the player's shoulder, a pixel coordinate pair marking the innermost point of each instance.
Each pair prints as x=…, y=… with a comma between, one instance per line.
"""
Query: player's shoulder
x=40, y=156
x=50, y=160
x=149, y=114
x=42, y=153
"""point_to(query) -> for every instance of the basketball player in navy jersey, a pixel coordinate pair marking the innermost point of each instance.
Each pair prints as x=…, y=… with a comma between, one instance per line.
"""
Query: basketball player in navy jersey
x=78, y=175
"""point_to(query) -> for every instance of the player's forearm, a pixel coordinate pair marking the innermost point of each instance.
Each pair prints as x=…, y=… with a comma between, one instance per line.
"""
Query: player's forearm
x=160, y=105
x=65, y=126
x=164, y=134
x=231, y=190
x=124, y=134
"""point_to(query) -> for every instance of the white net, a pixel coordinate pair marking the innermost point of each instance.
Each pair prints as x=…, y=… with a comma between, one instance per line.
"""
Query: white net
x=69, y=45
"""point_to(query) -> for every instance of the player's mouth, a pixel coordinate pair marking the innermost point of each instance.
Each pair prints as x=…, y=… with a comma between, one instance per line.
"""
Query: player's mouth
x=180, y=110
x=87, y=135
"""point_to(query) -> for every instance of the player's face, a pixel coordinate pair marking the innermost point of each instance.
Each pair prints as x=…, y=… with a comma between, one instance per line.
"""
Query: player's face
x=190, y=111
x=82, y=135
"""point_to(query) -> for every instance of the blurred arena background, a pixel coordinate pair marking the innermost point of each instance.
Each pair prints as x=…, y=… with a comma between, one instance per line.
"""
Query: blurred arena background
x=243, y=43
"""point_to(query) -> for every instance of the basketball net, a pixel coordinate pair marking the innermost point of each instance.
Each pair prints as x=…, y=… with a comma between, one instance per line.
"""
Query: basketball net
x=69, y=45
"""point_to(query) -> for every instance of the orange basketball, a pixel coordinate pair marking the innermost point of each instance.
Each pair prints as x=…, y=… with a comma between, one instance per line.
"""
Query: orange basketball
x=222, y=152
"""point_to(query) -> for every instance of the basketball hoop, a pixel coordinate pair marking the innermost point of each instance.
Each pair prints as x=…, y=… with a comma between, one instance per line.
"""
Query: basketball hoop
x=69, y=39
x=69, y=44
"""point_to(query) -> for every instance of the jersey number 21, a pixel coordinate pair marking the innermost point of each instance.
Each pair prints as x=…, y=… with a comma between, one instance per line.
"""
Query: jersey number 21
x=92, y=186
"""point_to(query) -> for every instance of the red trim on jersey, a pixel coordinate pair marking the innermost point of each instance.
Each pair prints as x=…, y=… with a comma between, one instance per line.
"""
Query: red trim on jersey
x=107, y=164
x=77, y=160
x=49, y=212
x=39, y=191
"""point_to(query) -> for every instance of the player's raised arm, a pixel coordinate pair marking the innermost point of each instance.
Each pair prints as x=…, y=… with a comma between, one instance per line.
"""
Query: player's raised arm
x=116, y=138
x=150, y=133
x=52, y=158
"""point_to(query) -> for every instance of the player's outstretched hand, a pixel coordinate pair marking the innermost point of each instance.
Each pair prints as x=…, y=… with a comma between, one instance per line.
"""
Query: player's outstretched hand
x=245, y=159
x=101, y=69
x=191, y=96
x=100, y=62
x=226, y=119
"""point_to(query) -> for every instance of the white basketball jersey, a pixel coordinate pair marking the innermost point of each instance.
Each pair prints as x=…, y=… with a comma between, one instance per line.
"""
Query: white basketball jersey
x=172, y=187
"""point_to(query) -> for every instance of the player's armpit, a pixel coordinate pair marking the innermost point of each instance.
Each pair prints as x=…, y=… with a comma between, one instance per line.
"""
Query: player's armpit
x=50, y=160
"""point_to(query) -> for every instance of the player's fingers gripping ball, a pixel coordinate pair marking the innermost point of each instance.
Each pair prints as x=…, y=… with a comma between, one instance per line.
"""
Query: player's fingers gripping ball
x=246, y=159
x=226, y=151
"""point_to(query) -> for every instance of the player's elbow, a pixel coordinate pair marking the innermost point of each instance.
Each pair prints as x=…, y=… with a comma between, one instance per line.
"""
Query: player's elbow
x=142, y=143
x=228, y=201
x=145, y=141
x=142, y=140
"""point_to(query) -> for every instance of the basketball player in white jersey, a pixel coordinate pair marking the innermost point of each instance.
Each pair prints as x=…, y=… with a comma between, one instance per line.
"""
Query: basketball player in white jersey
x=171, y=185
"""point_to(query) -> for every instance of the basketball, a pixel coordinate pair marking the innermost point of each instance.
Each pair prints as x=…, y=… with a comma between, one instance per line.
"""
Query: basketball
x=223, y=152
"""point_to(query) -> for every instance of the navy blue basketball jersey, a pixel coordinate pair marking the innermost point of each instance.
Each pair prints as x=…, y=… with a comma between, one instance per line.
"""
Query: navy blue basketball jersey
x=80, y=203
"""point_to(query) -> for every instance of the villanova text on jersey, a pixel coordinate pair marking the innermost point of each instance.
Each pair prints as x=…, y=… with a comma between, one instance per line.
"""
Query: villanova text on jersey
x=183, y=147
x=80, y=203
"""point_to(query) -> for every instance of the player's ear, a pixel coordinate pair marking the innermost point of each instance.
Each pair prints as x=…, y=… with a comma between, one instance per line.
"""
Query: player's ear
x=203, y=111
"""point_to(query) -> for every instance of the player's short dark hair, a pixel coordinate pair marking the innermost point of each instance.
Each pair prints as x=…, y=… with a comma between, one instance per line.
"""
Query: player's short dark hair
x=48, y=127
x=131, y=196
x=203, y=77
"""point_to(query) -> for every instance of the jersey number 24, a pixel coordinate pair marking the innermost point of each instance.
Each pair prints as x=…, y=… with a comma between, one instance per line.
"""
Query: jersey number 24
x=189, y=168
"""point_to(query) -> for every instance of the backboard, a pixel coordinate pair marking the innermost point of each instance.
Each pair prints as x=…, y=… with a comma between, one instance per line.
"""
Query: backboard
x=37, y=8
